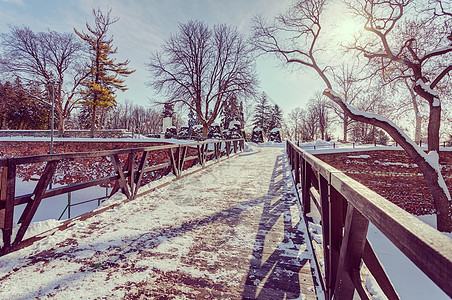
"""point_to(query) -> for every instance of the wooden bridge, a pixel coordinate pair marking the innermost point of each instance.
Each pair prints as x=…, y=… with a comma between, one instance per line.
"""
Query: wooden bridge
x=235, y=229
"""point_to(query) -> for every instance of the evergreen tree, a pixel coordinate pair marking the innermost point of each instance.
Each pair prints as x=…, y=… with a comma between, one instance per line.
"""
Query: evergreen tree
x=192, y=119
x=231, y=111
x=262, y=114
x=276, y=117
x=104, y=71
x=168, y=110
x=18, y=110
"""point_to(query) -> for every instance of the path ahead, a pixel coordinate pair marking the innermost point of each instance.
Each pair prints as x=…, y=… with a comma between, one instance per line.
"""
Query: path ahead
x=230, y=231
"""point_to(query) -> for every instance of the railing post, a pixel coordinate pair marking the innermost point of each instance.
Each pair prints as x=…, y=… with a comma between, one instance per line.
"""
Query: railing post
x=352, y=248
x=296, y=166
x=336, y=224
x=7, y=193
x=306, y=185
x=69, y=205
x=324, y=190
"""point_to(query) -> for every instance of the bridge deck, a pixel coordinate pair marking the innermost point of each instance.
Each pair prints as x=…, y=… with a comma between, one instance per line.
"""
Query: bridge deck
x=231, y=231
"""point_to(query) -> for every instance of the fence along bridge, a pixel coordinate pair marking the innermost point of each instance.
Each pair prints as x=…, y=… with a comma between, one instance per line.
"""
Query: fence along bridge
x=236, y=239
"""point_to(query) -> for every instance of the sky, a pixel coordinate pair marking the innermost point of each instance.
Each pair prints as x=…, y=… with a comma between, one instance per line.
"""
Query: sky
x=143, y=27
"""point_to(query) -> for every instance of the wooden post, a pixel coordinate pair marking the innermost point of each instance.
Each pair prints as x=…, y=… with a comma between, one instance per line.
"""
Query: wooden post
x=324, y=190
x=306, y=185
x=174, y=163
x=131, y=171
x=140, y=173
x=122, y=182
x=373, y=264
x=336, y=223
x=38, y=195
x=228, y=148
x=351, y=252
x=8, y=186
x=296, y=166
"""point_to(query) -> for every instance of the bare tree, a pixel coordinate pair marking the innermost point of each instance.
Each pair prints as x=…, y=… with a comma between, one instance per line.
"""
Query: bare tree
x=320, y=108
x=50, y=60
x=200, y=68
x=302, y=24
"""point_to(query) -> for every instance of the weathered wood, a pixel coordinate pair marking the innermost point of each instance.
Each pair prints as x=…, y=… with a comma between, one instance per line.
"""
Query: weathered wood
x=306, y=185
x=325, y=215
x=423, y=245
x=373, y=264
x=81, y=155
x=336, y=222
x=32, y=206
x=9, y=185
x=3, y=184
x=173, y=162
x=182, y=158
x=131, y=172
x=228, y=148
x=22, y=199
x=140, y=172
x=351, y=251
x=121, y=180
x=296, y=164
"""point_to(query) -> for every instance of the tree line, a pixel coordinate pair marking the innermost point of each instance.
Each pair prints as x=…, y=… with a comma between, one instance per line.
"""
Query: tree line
x=65, y=69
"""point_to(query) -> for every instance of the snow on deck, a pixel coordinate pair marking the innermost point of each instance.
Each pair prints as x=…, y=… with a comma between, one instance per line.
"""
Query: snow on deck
x=230, y=231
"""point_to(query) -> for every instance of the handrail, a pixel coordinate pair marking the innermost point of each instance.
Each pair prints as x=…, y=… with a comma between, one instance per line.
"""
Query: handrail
x=128, y=177
x=346, y=208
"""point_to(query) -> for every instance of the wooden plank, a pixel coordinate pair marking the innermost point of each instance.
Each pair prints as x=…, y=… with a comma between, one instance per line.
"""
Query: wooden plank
x=81, y=155
x=162, y=166
x=306, y=185
x=336, y=223
x=422, y=244
x=140, y=172
x=200, y=155
x=350, y=256
x=121, y=180
x=3, y=181
x=131, y=172
x=373, y=264
x=182, y=158
x=9, y=185
x=32, y=206
x=325, y=215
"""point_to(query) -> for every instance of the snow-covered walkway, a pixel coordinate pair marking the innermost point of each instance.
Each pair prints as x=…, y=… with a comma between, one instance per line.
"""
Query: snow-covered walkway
x=230, y=231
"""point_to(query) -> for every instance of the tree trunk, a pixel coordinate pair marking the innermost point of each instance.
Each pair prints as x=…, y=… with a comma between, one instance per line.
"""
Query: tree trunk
x=418, y=128
x=93, y=121
x=417, y=115
x=205, y=130
x=61, y=123
x=434, y=124
x=345, y=128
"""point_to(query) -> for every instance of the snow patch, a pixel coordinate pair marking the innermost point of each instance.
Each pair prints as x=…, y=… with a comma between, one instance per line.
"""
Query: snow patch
x=426, y=88
x=365, y=156
x=436, y=102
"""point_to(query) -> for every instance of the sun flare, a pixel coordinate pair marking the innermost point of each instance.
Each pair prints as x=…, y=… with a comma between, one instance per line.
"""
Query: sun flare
x=347, y=30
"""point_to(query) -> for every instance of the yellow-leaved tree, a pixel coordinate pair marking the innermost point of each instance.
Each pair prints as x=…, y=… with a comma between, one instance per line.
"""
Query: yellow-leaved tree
x=105, y=74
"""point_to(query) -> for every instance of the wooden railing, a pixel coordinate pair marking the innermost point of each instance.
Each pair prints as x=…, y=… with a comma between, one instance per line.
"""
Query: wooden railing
x=128, y=177
x=346, y=207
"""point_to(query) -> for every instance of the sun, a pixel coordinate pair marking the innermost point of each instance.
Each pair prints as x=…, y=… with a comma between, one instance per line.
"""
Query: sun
x=346, y=30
